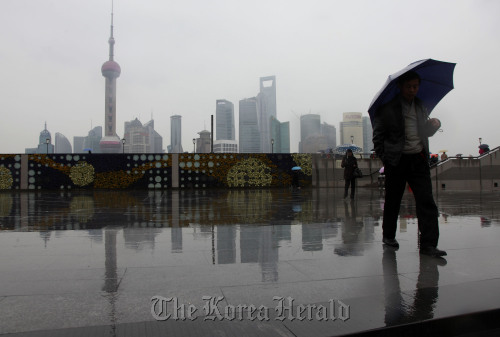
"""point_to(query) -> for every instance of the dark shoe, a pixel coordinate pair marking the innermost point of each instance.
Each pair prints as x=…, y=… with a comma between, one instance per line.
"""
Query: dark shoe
x=432, y=251
x=390, y=242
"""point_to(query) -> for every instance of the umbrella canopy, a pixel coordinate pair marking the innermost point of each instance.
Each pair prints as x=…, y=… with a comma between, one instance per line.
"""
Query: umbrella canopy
x=436, y=81
x=296, y=168
x=443, y=151
x=484, y=146
x=341, y=149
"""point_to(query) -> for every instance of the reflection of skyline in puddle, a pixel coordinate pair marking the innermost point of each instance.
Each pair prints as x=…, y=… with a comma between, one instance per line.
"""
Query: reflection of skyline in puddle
x=241, y=226
x=259, y=234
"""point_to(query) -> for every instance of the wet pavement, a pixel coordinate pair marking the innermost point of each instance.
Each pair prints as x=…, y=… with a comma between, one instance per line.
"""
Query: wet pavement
x=240, y=262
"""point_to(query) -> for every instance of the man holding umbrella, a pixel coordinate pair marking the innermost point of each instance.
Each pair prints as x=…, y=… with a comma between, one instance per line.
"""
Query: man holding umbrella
x=401, y=129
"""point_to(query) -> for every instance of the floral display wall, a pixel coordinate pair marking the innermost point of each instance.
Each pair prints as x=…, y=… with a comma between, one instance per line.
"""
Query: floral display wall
x=10, y=173
x=241, y=170
x=151, y=171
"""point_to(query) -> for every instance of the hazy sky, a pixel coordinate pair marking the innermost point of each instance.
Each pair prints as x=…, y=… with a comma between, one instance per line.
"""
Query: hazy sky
x=179, y=57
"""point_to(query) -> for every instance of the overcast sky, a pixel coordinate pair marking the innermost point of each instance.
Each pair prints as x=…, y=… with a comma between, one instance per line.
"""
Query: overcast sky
x=179, y=57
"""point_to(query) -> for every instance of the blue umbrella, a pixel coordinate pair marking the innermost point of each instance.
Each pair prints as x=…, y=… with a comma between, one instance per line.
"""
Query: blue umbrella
x=341, y=149
x=436, y=82
x=296, y=168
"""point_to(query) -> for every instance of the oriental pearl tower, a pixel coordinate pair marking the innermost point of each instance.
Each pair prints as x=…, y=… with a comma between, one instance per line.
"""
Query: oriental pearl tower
x=111, y=70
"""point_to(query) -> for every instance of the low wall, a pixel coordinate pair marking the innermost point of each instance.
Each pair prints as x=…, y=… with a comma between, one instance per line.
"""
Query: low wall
x=327, y=172
x=455, y=173
x=224, y=170
x=150, y=171
x=469, y=174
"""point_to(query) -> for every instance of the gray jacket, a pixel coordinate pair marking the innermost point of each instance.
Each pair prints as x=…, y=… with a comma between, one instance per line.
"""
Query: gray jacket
x=389, y=130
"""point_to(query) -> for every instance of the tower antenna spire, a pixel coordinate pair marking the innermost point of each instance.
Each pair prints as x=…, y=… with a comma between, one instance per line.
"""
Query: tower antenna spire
x=112, y=7
x=111, y=40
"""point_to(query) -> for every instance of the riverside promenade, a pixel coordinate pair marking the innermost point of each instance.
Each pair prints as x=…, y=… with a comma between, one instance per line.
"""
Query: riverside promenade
x=263, y=262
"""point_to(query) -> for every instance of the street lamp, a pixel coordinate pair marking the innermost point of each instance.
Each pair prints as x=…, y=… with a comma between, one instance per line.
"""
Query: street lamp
x=194, y=145
x=272, y=145
x=352, y=139
x=47, y=141
x=123, y=145
x=480, y=139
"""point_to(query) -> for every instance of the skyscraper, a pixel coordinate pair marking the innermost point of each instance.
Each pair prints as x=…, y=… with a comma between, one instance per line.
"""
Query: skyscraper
x=267, y=109
x=91, y=142
x=62, y=144
x=367, y=135
x=224, y=120
x=351, y=129
x=280, y=136
x=203, y=144
x=157, y=139
x=225, y=146
x=111, y=70
x=310, y=126
x=44, y=143
x=141, y=138
x=249, y=135
x=330, y=132
x=285, y=137
x=78, y=144
x=175, y=134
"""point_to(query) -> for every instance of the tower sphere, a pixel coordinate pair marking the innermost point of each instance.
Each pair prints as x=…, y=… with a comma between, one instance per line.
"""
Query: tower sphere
x=111, y=69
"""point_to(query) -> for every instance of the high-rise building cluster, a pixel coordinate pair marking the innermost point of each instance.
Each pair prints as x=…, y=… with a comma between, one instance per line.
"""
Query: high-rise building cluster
x=260, y=131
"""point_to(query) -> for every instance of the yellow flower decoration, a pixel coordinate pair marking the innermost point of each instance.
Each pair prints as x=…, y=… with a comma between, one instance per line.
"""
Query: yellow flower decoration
x=249, y=172
x=5, y=178
x=82, y=173
x=115, y=179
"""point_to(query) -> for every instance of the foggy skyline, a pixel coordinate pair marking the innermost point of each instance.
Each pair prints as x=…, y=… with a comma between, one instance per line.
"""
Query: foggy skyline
x=329, y=57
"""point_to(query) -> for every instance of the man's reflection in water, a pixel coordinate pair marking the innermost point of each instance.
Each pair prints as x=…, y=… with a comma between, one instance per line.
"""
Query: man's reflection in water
x=399, y=310
x=351, y=230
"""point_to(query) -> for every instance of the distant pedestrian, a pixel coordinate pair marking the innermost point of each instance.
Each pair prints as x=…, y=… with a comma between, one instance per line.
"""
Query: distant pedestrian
x=444, y=156
x=483, y=150
x=434, y=159
x=349, y=163
x=295, y=177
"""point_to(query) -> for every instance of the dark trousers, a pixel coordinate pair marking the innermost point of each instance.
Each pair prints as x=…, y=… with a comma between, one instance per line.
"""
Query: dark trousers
x=351, y=182
x=413, y=169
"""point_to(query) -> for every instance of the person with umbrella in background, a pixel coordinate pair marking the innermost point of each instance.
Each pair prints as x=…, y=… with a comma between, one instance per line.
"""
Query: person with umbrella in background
x=401, y=128
x=295, y=177
x=484, y=148
x=349, y=163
